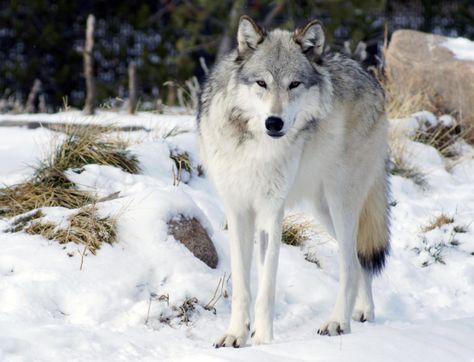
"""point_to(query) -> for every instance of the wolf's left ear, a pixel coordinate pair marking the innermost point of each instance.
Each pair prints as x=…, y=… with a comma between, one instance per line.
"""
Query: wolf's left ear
x=311, y=38
x=249, y=35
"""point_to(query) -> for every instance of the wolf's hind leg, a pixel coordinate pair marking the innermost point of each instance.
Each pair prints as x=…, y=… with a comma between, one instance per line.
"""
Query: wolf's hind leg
x=344, y=210
x=241, y=229
x=364, y=306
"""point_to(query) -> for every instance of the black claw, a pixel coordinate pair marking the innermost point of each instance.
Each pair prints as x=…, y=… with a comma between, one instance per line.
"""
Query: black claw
x=363, y=319
x=252, y=334
x=235, y=345
x=323, y=332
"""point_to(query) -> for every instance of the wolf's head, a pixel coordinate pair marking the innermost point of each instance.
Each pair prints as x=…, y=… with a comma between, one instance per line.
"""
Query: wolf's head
x=281, y=80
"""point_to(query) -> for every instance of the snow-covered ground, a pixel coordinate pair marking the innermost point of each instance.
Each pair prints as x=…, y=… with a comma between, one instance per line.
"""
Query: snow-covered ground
x=111, y=309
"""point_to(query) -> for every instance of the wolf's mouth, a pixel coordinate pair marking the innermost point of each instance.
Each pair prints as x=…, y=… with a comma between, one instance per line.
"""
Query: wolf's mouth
x=275, y=134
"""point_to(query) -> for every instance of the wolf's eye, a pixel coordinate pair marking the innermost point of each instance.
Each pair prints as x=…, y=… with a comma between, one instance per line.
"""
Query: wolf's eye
x=262, y=83
x=294, y=84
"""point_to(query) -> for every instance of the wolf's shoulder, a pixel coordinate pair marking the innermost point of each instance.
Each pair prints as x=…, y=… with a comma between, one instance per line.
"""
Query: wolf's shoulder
x=349, y=77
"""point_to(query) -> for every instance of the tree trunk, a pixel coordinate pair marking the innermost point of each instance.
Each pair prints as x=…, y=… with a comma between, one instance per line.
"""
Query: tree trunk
x=233, y=22
x=170, y=96
x=30, y=103
x=89, y=106
x=132, y=88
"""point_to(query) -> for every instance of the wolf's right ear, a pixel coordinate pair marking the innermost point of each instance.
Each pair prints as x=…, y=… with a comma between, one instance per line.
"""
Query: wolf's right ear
x=249, y=35
x=311, y=38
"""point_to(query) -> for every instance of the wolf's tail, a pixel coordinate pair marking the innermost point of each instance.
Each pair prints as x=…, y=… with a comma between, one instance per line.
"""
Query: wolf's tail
x=373, y=238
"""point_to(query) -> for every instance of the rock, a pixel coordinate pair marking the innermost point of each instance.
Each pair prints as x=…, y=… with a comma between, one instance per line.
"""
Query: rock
x=419, y=62
x=193, y=236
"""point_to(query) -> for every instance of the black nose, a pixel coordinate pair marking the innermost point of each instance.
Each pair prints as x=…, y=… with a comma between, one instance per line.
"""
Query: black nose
x=274, y=124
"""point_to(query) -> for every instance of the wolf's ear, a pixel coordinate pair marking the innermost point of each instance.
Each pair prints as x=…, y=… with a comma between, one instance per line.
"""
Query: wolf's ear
x=311, y=38
x=249, y=35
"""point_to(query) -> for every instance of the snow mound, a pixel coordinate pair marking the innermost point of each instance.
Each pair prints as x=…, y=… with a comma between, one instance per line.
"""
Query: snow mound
x=147, y=298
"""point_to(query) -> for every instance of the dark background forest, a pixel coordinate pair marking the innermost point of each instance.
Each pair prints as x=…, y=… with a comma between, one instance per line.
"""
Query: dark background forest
x=42, y=39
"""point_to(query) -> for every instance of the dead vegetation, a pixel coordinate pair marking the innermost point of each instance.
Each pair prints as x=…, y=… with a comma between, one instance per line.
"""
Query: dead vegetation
x=84, y=146
x=297, y=230
x=403, y=100
x=399, y=166
x=86, y=228
x=437, y=222
x=50, y=187
x=433, y=250
x=31, y=195
x=181, y=162
x=182, y=314
x=441, y=137
x=400, y=104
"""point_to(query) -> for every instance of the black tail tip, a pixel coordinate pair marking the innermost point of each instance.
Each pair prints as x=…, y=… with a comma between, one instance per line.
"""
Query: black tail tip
x=375, y=262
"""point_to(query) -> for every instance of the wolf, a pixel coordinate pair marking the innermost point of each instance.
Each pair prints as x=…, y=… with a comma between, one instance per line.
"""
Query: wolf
x=282, y=120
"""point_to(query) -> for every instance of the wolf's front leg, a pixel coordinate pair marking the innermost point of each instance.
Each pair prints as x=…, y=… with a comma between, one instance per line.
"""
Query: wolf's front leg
x=269, y=224
x=241, y=230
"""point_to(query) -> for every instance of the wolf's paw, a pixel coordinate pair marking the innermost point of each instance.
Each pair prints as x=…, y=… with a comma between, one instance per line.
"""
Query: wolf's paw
x=260, y=338
x=334, y=328
x=363, y=315
x=231, y=340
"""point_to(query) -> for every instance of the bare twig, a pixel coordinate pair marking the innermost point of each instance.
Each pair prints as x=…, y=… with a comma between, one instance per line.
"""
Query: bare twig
x=218, y=294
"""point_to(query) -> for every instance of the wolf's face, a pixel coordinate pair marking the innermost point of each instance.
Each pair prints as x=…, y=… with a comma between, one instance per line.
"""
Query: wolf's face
x=278, y=75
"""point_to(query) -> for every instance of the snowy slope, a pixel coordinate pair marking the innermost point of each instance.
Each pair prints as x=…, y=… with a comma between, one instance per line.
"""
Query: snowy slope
x=110, y=311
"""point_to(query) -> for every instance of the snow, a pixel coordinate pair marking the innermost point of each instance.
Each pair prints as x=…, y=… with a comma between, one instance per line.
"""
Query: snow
x=462, y=48
x=14, y=168
x=110, y=310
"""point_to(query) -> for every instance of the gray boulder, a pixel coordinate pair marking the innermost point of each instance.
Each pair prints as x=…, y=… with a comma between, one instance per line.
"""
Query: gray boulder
x=420, y=62
x=193, y=236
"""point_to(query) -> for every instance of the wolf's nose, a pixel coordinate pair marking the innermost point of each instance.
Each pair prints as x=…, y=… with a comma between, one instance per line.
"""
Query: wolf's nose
x=274, y=124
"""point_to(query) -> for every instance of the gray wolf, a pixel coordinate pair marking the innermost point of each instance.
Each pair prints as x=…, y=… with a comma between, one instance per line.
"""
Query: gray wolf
x=281, y=120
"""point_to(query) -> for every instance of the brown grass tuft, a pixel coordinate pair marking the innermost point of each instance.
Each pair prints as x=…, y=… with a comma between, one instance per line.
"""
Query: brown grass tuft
x=437, y=222
x=182, y=161
x=296, y=230
x=83, y=146
x=403, y=101
x=441, y=137
x=50, y=187
x=85, y=228
x=28, y=196
x=400, y=167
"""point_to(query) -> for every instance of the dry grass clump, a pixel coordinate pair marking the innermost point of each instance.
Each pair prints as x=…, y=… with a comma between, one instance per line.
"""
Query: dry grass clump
x=84, y=146
x=402, y=101
x=400, y=167
x=22, y=221
x=182, y=161
x=441, y=137
x=31, y=195
x=86, y=228
x=296, y=230
x=437, y=222
x=50, y=187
